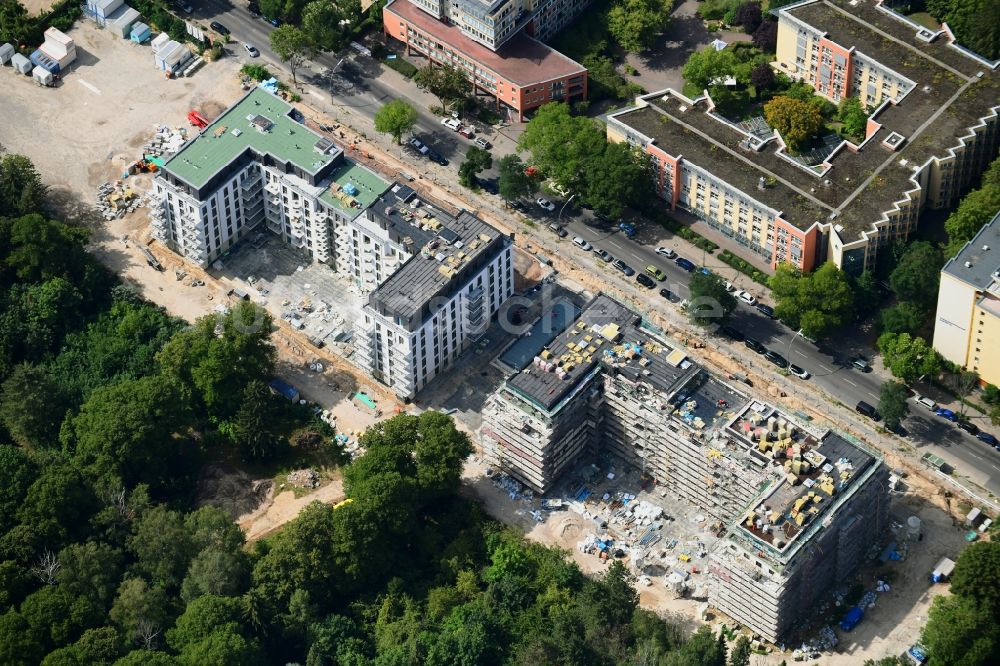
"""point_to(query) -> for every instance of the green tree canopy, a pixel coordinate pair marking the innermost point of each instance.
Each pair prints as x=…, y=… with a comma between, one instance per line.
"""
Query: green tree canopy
x=618, y=177
x=710, y=303
x=892, y=403
x=960, y=631
x=476, y=160
x=562, y=145
x=977, y=575
x=21, y=188
x=395, y=118
x=796, y=121
x=292, y=45
x=36, y=428
x=902, y=318
x=907, y=357
x=321, y=25
x=514, y=182
x=917, y=274
x=446, y=82
x=976, y=209
x=851, y=112
x=635, y=24
x=973, y=22
x=817, y=302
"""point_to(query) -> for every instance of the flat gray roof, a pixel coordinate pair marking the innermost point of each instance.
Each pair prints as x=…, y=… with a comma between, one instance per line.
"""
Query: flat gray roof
x=976, y=263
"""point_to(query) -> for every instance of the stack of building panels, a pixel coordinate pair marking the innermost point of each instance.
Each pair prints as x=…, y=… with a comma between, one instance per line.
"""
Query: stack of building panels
x=59, y=47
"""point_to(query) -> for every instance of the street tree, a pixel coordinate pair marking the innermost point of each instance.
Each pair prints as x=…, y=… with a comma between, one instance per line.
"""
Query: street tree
x=907, y=357
x=562, y=145
x=817, y=302
x=892, y=403
x=903, y=317
x=476, y=160
x=618, y=177
x=514, y=181
x=21, y=188
x=395, y=118
x=710, y=302
x=796, y=121
x=866, y=293
x=446, y=82
x=635, y=24
x=917, y=274
x=851, y=112
x=292, y=45
x=321, y=25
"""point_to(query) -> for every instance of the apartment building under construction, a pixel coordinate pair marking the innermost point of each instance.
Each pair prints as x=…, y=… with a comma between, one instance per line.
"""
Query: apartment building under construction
x=803, y=506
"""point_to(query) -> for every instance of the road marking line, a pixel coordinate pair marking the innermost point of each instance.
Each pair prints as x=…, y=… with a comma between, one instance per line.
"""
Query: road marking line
x=614, y=244
x=872, y=395
x=824, y=367
x=90, y=87
x=851, y=383
x=801, y=353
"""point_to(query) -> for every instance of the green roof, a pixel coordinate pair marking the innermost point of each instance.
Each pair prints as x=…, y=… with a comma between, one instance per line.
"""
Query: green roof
x=220, y=143
x=348, y=176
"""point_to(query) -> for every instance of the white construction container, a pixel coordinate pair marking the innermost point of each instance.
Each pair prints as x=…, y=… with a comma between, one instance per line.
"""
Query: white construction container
x=159, y=42
x=120, y=23
x=60, y=47
x=21, y=64
x=7, y=52
x=42, y=76
x=102, y=9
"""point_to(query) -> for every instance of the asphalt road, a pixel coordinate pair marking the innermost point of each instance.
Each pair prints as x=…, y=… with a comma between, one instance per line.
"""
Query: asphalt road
x=352, y=83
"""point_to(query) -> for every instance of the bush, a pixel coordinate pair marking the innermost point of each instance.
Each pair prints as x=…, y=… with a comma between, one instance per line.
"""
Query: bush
x=744, y=267
x=715, y=10
x=256, y=72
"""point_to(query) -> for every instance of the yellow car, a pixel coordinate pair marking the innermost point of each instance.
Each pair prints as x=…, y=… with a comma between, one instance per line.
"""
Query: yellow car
x=656, y=272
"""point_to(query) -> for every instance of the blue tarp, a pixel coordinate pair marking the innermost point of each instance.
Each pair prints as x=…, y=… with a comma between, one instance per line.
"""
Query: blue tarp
x=285, y=389
x=851, y=620
x=271, y=85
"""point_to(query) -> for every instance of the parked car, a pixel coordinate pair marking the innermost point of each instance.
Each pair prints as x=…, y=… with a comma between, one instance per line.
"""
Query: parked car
x=731, y=288
x=419, y=146
x=754, y=345
x=989, y=439
x=451, y=123
x=645, y=280
x=861, y=364
x=489, y=186
x=746, y=297
x=665, y=293
x=252, y=50
x=656, y=272
x=188, y=9
x=254, y=10
x=765, y=310
x=864, y=408
x=627, y=229
x=604, y=255
x=731, y=332
x=467, y=132
x=776, y=358
x=545, y=204
x=219, y=28
x=483, y=143
x=582, y=244
x=798, y=372
x=684, y=263
x=926, y=402
x=518, y=206
x=276, y=22
x=946, y=414
x=624, y=268
x=968, y=426
x=666, y=252
x=435, y=156
x=558, y=231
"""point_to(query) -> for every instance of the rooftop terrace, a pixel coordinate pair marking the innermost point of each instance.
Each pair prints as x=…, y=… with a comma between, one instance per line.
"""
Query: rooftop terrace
x=353, y=188
x=259, y=122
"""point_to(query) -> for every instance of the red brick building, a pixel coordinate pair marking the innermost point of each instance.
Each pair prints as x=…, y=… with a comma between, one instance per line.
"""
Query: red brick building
x=521, y=75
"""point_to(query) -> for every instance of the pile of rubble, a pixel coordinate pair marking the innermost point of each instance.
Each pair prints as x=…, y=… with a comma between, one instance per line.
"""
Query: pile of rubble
x=304, y=478
x=824, y=641
x=115, y=200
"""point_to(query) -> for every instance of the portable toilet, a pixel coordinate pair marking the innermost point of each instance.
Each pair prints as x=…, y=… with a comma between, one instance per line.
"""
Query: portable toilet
x=140, y=33
x=42, y=76
x=21, y=64
x=6, y=53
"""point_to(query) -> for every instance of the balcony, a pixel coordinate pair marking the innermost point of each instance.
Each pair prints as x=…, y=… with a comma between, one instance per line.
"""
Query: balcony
x=273, y=187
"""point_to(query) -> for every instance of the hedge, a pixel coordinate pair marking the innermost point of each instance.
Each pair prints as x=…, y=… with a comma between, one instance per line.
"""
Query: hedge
x=19, y=28
x=402, y=66
x=744, y=267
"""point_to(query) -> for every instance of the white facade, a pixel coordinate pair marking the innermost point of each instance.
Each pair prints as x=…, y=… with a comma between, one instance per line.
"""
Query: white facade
x=406, y=360
x=493, y=22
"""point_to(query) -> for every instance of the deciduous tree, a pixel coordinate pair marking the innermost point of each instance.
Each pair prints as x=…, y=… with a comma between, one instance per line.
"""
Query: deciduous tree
x=892, y=403
x=796, y=121
x=321, y=25
x=903, y=317
x=749, y=16
x=765, y=37
x=960, y=631
x=562, y=145
x=917, y=274
x=710, y=302
x=21, y=188
x=446, y=82
x=907, y=357
x=514, y=181
x=395, y=118
x=817, y=302
x=852, y=114
x=292, y=45
x=476, y=160
x=635, y=24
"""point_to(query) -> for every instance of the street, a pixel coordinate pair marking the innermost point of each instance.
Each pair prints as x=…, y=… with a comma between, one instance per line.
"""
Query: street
x=357, y=84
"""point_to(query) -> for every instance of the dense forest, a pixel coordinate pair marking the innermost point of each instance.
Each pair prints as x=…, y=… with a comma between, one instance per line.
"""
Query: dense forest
x=108, y=409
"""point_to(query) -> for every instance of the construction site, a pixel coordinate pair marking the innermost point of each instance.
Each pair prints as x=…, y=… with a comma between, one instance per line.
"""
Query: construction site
x=796, y=510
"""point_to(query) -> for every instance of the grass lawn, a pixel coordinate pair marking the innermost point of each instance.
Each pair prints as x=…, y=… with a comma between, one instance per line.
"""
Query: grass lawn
x=926, y=20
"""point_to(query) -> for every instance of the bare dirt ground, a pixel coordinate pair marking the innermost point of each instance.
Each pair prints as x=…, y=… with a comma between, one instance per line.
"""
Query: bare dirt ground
x=36, y=7
x=285, y=506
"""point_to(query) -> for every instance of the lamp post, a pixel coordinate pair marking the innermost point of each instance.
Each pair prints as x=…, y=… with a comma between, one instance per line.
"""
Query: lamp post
x=559, y=217
x=788, y=348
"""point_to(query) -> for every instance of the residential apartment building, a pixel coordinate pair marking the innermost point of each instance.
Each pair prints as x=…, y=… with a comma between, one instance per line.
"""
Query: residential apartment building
x=611, y=383
x=967, y=324
x=432, y=279
x=419, y=319
x=489, y=43
x=932, y=130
